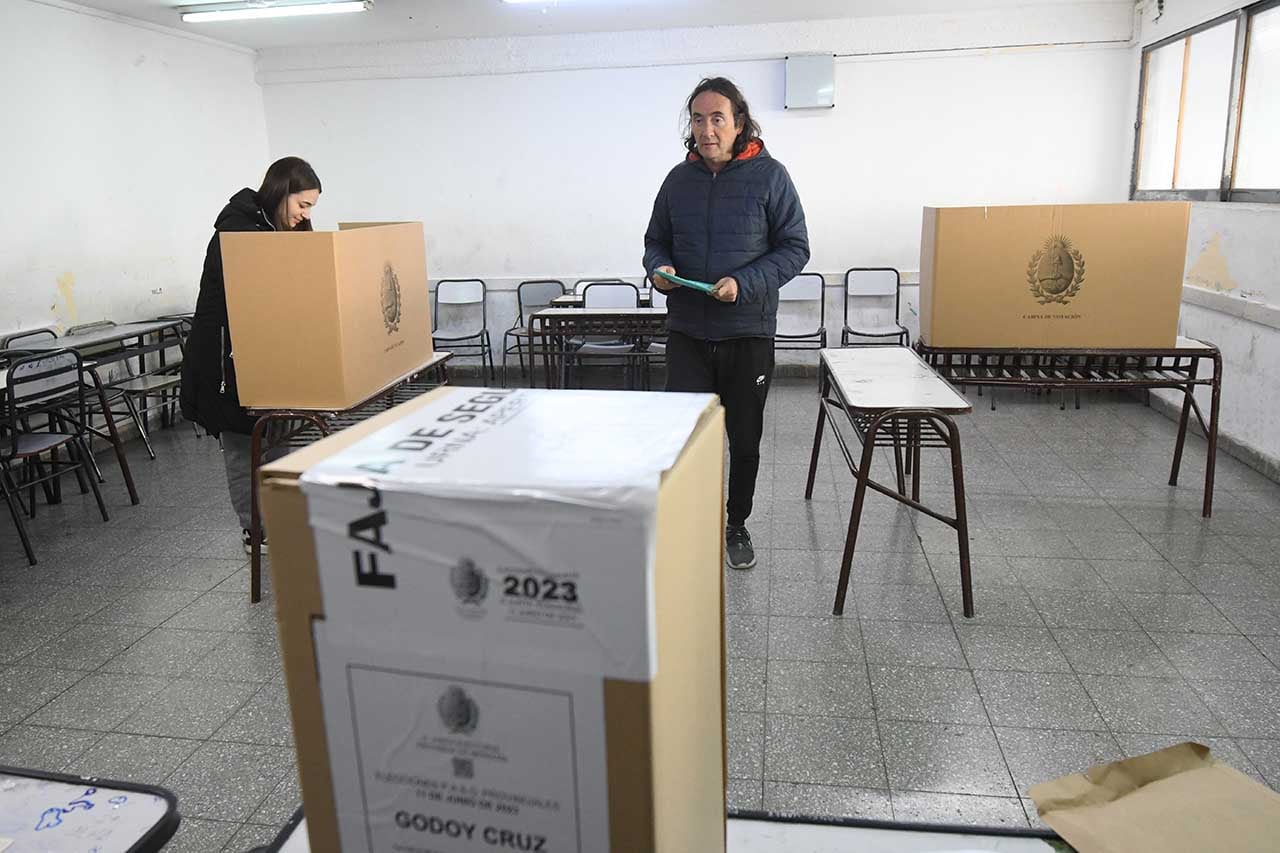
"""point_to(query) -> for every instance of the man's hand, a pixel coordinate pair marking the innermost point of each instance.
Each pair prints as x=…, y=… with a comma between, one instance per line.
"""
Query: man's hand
x=660, y=282
x=726, y=289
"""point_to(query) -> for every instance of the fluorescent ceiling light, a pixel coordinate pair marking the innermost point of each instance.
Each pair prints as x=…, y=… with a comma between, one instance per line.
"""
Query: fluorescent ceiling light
x=256, y=9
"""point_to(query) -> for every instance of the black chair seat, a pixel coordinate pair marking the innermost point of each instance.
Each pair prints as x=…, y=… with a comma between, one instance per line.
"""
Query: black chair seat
x=798, y=336
x=876, y=331
x=46, y=387
x=149, y=384
x=35, y=443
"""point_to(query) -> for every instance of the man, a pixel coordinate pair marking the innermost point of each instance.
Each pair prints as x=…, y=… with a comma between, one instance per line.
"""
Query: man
x=728, y=214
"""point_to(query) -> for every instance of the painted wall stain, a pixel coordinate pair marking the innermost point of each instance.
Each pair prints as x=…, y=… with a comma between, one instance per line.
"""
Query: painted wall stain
x=67, y=287
x=1210, y=269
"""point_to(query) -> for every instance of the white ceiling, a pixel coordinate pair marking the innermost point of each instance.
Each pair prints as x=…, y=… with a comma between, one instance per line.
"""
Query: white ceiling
x=423, y=20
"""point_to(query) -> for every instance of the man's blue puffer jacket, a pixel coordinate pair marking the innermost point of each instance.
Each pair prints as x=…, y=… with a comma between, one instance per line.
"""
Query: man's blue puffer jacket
x=745, y=222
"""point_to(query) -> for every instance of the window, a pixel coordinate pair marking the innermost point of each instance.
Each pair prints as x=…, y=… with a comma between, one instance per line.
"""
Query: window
x=1209, y=112
x=1258, y=153
x=1206, y=96
x=1161, y=106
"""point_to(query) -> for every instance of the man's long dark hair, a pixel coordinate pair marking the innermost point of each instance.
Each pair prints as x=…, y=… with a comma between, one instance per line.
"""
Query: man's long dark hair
x=285, y=176
x=742, y=119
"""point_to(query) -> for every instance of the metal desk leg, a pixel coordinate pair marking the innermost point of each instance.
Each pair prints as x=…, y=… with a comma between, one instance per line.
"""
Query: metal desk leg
x=16, y=510
x=115, y=438
x=914, y=458
x=962, y=515
x=897, y=459
x=1188, y=396
x=78, y=450
x=855, y=515
x=817, y=435
x=255, y=518
x=546, y=351
x=164, y=395
x=142, y=358
x=1214, y=406
x=533, y=363
x=520, y=355
x=533, y=354
x=142, y=420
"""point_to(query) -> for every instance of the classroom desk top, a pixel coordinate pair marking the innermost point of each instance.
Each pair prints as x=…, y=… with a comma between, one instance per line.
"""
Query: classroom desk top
x=598, y=312
x=877, y=378
x=55, y=813
x=102, y=337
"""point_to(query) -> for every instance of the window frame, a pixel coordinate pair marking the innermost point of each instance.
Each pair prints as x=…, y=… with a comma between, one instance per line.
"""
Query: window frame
x=1243, y=18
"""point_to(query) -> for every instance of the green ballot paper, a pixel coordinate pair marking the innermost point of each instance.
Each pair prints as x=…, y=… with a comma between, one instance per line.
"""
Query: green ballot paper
x=696, y=285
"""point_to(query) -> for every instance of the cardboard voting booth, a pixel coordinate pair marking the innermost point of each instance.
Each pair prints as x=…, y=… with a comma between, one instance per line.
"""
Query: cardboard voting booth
x=1066, y=276
x=324, y=319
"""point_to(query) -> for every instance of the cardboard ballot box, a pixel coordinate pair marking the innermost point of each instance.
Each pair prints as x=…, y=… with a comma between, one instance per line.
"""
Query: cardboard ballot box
x=501, y=614
x=1053, y=276
x=324, y=319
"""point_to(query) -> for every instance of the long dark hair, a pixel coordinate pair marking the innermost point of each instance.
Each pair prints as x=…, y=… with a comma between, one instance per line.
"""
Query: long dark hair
x=285, y=176
x=742, y=119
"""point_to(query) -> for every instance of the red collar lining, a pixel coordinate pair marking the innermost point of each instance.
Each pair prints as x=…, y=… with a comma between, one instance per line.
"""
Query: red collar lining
x=753, y=149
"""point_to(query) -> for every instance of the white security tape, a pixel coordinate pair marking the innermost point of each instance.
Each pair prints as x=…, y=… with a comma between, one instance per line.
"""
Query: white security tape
x=511, y=526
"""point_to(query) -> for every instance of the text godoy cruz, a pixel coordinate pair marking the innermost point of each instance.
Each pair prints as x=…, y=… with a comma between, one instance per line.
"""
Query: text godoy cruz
x=491, y=835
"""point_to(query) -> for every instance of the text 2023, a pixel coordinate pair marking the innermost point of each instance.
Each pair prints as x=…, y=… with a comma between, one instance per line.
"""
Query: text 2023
x=534, y=588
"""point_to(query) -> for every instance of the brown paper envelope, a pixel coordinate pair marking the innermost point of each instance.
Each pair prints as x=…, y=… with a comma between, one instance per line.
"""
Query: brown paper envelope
x=1176, y=800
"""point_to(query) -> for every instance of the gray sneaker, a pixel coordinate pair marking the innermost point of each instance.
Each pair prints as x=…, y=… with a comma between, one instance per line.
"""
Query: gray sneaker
x=738, y=553
x=248, y=544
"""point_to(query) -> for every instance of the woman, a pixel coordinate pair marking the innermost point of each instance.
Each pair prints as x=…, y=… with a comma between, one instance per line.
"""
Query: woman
x=209, y=397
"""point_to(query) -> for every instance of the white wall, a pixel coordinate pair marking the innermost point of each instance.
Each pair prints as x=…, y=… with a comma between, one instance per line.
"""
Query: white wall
x=1231, y=298
x=553, y=173
x=120, y=145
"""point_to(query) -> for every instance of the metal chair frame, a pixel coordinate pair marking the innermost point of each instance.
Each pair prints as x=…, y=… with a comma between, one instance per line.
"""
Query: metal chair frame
x=46, y=386
x=477, y=342
x=817, y=339
x=520, y=331
x=847, y=333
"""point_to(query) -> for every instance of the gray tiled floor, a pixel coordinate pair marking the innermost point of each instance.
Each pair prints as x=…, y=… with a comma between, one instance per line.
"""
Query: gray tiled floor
x=122, y=656
x=1112, y=620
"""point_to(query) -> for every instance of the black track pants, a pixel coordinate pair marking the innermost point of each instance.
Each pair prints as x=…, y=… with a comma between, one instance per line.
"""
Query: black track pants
x=739, y=371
